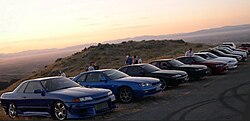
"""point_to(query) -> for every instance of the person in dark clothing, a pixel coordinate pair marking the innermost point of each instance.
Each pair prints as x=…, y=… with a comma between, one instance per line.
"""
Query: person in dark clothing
x=96, y=67
x=129, y=60
x=135, y=61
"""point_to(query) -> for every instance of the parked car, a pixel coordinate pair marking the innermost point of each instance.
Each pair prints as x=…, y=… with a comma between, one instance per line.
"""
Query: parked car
x=221, y=54
x=125, y=87
x=229, y=51
x=194, y=71
x=56, y=97
x=167, y=77
x=216, y=67
x=245, y=46
x=229, y=44
x=232, y=63
x=234, y=49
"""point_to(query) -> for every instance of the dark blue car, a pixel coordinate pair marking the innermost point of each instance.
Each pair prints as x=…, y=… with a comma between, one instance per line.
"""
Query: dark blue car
x=56, y=97
x=126, y=88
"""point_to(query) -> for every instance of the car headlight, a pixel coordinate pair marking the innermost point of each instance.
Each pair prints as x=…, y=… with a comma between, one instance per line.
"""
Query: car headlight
x=83, y=99
x=145, y=84
x=176, y=76
x=110, y=93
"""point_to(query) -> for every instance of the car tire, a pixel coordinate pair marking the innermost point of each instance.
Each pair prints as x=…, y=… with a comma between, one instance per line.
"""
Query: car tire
x=209, y=71
x=164, y=84
x=59, y=111
x=12, y=112
x=125, y=95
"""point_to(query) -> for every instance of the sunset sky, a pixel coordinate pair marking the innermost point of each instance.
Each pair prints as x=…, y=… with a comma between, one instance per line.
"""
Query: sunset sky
x=40, y=24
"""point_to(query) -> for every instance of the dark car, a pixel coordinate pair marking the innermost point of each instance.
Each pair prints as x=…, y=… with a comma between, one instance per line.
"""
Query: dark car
x=245, y=46
x=241, y=48
x=125, y=87
x=194, y=71
x=56, y=97
x=229, y=51
x=216, y=67
x=167, y=77
x=221, y=54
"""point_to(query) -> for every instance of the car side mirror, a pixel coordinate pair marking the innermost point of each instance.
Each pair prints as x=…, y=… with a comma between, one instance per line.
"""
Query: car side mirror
x=37, y=91
x=103, y=79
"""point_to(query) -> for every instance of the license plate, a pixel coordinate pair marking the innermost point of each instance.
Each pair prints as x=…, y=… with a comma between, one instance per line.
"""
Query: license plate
x=112, y=97
x=101, y=106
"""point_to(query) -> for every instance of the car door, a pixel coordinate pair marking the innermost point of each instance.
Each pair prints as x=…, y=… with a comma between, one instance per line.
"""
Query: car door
x=35, y=102
x=20, y=101
x=136, y=71
x=97, y=80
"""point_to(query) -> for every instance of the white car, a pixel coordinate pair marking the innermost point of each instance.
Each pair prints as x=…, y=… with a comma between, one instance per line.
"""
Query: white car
x=230, y=44
x=232, y=63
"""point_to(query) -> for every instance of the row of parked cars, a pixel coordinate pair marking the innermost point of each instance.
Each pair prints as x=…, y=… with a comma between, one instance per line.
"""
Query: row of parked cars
x=95, y=92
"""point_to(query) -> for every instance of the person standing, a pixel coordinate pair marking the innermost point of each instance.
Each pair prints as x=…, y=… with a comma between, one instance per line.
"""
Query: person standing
x=96, y=67
x=62, y=74
x=129, y=60
x=139, y=60
x=91, y=67
x=135, y=60
x=189, y=53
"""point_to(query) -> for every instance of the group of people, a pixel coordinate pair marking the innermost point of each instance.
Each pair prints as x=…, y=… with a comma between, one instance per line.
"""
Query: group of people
x=92, y=66
x=133, y=60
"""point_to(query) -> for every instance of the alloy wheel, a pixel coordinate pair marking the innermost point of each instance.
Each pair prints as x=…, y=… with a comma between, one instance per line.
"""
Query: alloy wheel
x=12, y=111
x=163, y=84
x=60, y=111
x=125, y=95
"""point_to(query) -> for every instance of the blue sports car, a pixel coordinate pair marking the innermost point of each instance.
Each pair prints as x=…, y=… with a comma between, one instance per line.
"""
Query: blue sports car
x=126, y=88
x=56, y=97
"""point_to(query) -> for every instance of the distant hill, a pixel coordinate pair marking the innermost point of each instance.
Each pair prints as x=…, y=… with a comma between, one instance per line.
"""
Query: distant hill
x=113, y=56
x=237, y=34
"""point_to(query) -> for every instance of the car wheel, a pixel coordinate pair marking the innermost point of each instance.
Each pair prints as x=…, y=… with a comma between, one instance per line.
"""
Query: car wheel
x=125, y=95
x=163, y=84
x=60, y=111
x=12, y=111
x=209, y=71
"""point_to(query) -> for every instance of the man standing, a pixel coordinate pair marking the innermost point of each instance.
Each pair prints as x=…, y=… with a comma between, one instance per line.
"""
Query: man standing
x=189, y=53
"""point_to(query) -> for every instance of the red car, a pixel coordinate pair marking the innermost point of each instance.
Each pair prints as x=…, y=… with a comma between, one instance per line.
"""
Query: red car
x=216, y=67
x=245, y=46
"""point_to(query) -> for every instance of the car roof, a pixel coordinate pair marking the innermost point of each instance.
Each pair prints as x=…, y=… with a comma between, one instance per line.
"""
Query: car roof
x=100, y=70
x=161, y=60
x=202, y=53
x=43, y=78
x=135, y=65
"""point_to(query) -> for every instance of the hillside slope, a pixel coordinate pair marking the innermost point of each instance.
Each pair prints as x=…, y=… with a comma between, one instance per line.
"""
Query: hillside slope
x=113, y=56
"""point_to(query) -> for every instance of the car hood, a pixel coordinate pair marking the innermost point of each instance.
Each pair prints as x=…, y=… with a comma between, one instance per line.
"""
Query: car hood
x=225, y=59
x=139, y=79
x=82, y=92
x=170, y=72
x=193, y=66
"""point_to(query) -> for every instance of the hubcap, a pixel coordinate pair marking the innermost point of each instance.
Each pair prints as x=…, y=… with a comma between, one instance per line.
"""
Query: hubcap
x=12, y=111
x=60, y=111
x=126, y=95
x=163, y=84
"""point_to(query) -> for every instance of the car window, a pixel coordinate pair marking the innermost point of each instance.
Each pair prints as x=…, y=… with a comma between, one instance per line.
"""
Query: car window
x=135, y=71
x=94, y=77
x=186, y=60
x=32, y=86
x=125, y=69
x=82, y=78
x=21, y=88
x=155, y=64
x=58, y=83
x=165, y=65
x=203, y=56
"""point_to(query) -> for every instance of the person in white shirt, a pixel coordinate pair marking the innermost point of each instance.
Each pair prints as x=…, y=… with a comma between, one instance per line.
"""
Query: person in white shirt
x=62, y=74
x=189, y=53
x=91, y=67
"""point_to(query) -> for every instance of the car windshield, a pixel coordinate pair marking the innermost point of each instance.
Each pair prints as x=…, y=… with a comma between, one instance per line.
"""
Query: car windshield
x=150, y=68
x=211, y=55
x=58, y=83
x=114, y=74
x=199, y=59
x=176, y=63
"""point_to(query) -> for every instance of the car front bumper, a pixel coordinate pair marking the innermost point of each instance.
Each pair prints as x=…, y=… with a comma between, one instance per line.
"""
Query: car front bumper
x=90, y=109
